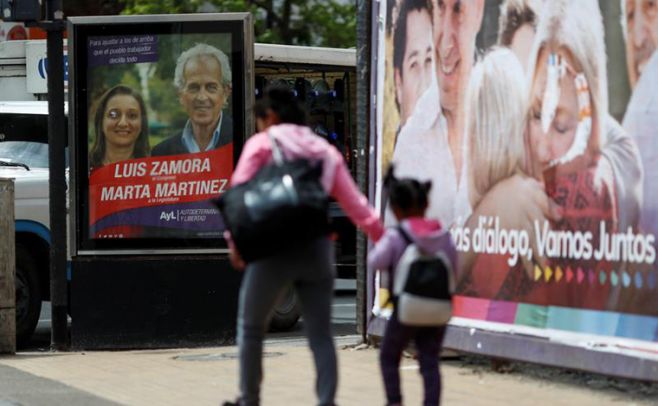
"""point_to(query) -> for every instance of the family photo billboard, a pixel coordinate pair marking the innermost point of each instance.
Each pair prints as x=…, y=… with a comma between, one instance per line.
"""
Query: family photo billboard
x=537, y=124
x=159, y=111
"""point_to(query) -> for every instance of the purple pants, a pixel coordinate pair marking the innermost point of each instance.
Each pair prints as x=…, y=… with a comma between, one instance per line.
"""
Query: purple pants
x=428, y=342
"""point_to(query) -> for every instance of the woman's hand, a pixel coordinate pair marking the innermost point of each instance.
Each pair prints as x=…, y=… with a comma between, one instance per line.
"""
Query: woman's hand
x=518, y=201
x=236, y=260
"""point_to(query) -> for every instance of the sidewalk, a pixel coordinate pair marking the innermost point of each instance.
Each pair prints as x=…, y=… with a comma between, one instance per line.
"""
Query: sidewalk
x=206, y=376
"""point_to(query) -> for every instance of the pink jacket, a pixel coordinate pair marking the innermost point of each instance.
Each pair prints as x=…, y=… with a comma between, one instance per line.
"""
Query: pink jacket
x=300, y=142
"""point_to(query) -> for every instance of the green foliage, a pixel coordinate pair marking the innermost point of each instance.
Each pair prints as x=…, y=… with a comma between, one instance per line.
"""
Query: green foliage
x=334, y=22
x=330, y=23
x=160, y=7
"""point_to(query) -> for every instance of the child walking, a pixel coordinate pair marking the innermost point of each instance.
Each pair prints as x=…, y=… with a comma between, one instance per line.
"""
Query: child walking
x=409, y=200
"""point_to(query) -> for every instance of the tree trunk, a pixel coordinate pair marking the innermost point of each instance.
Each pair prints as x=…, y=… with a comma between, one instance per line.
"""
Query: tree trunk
x=270, y=15
x=286, y=32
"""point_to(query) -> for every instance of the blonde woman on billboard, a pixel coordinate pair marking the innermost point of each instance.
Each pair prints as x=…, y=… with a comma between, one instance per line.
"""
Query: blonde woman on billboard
x=495, y=121
x=617, y=149
x=495, y=111
x=568, y=87
x=567, y=122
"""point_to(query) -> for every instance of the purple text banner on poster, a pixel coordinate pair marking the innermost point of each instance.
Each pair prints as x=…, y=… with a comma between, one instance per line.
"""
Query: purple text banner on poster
x=119, y=50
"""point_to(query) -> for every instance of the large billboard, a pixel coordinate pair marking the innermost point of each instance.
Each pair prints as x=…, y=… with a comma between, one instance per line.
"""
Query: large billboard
x=542, y=166
x=160, y=105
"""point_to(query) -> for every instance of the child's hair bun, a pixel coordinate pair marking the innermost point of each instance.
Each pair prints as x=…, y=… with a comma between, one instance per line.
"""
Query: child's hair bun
x=406, y=193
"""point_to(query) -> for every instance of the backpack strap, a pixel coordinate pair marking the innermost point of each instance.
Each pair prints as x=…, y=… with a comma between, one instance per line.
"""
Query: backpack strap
x=404, y=234
x=391, y=279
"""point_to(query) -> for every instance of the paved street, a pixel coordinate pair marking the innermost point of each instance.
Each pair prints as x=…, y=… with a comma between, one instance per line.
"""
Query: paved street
x=205, y=376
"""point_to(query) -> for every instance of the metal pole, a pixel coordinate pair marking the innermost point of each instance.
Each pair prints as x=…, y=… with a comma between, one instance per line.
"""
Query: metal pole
x=7, y=269
x=362, y=149
x=57, y=144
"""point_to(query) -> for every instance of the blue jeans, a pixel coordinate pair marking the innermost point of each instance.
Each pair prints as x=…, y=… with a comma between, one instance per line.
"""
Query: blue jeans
x=311, y=272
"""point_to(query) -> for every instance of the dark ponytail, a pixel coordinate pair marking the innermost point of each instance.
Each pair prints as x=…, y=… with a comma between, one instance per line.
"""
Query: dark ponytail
x=282, y=102
x=406, y=193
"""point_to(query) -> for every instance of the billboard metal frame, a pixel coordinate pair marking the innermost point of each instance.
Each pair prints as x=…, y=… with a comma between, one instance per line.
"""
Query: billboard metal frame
x=598, y=354
x=85, y=26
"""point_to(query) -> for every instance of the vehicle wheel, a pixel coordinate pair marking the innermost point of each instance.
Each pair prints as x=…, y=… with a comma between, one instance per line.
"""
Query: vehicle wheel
x=286, y=312
x=28, y=296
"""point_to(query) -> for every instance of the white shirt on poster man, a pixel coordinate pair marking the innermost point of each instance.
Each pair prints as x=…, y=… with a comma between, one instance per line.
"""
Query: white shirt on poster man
x=422, y=152
x=641, y=123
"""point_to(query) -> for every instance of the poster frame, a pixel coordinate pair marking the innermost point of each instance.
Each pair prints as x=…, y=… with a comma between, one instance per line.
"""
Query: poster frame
x=80, y=28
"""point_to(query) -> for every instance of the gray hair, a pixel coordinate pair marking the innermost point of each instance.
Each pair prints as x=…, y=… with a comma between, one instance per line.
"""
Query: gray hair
x=578, y=27
x=200, y=50
x=496, y=116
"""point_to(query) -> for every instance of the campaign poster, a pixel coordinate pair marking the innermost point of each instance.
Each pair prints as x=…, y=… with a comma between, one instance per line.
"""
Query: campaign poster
x=159, y=106
x=160, y=134
x=537, y=124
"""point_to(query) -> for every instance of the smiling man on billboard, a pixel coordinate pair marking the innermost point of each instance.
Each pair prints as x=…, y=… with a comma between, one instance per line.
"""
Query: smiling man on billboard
x=430, y=145
x=203, y=78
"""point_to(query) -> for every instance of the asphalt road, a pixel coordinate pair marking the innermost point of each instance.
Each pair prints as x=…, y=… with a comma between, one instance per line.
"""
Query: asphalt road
x=343, y=320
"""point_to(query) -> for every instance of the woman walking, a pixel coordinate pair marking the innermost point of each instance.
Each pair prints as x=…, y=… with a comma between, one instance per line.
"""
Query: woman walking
x=309, y=267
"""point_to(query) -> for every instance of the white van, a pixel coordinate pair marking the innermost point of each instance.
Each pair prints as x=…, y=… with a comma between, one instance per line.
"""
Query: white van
x=24, y=158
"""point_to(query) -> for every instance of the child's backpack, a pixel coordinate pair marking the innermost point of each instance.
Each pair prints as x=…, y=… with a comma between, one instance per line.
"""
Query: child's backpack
x=423, y=286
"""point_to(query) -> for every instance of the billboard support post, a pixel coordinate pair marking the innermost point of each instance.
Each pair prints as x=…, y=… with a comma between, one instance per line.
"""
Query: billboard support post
x=55, y=27
x=363, y=104
x=56, y=125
